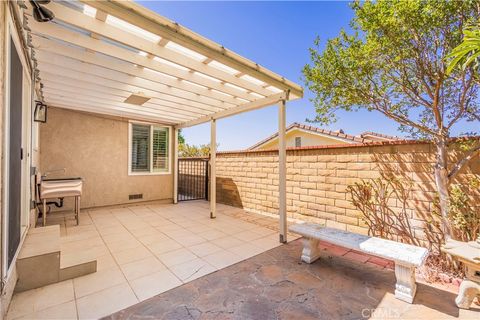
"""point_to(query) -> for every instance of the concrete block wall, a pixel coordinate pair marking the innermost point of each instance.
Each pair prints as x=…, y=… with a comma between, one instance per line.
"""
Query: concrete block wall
x=317, y=179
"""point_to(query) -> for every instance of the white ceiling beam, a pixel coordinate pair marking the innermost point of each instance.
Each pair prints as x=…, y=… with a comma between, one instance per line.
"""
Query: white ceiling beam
x=107, y=106
x=250, y=106
x=111, y=99
x=57, y=80
x=87, y=23
x=49, y=61
x=147, y=79
x=58, y=49
x=136, y=14
x=120, y=114
x=55, y=31
x=54, y=73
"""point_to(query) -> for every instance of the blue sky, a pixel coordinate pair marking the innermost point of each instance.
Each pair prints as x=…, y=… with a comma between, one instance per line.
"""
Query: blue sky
x=276, y=35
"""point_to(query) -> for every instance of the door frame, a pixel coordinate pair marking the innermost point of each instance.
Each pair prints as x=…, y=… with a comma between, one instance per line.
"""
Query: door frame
x=11, y=33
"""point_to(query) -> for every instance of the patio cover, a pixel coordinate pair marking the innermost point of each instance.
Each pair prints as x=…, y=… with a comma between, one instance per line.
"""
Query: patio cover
x=96, y=54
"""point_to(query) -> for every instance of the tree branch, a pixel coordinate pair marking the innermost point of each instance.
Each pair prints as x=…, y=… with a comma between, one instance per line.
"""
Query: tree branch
x=460, y=164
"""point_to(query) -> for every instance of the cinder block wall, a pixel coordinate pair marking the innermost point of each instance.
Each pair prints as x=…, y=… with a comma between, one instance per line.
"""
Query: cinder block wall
x=317, y=179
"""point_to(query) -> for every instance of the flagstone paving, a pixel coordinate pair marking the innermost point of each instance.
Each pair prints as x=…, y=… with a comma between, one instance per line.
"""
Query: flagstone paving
x=276, y=285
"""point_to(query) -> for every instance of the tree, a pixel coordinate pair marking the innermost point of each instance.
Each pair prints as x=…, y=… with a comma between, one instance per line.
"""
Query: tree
x=181, y=138
x=395, y=63
x=187, y=151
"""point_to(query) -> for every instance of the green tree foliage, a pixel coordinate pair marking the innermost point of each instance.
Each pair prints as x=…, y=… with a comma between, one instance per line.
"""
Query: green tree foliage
x=467, y=53
x=187, y=151
x=395, y=62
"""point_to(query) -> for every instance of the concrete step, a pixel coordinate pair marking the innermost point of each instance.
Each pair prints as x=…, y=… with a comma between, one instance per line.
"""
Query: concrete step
x=39, y=262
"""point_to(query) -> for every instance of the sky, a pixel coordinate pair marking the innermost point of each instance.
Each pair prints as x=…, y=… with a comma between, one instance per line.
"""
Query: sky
x=276, y=35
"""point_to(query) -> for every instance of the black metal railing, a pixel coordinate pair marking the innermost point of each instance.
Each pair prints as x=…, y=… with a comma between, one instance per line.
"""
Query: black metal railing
x=192, y=179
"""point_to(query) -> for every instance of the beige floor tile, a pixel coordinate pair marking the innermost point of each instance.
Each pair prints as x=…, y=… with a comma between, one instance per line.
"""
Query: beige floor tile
x=105, y=262
x=212, y=235
x=164, y=246
x=204, y=249
x=151, y=285
x=112, y=230
x=248, y=235
x=105, y=302
x=35, y=300
x=192, y=270
x=116, y=237
x=222, y=259
x=144, y=231
x=123, y=245
x=152, y=238
x=227, y=242
x=132, y=254
x=64, y=311
x=245, y=250
x=190, y=240
x=98, y=281
x=141, y=268
x=176, y=257
x=267, y=243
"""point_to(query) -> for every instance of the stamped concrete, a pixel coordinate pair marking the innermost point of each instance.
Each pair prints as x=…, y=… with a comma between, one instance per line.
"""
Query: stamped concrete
x=276, y=285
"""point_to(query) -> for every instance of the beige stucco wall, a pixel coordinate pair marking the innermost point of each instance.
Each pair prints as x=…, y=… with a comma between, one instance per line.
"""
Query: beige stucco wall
x=96, y=149
x=308, y=139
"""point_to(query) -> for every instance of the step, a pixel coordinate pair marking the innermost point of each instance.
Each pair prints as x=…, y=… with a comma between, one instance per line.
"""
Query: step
x=39, y=262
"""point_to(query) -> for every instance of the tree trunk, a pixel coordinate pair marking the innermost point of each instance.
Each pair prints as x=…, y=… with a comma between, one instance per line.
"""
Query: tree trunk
x=442, y=183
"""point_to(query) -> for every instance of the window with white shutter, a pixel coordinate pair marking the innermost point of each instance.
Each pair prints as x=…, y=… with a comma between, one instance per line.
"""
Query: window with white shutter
x=149, y=149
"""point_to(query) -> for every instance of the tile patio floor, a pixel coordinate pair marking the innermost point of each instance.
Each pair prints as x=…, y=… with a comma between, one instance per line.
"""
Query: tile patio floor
x=142, y=251
x=275, y=285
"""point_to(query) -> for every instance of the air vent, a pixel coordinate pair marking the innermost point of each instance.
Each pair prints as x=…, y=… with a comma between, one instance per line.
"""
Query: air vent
x=135, y=196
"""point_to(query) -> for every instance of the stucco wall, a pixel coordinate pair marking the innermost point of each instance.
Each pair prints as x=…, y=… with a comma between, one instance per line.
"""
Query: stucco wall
x=308, y=139
x=317, y=179
x=96, y=149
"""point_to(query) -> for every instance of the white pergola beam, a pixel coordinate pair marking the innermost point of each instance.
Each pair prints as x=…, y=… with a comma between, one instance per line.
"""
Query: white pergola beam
x=213, y=169
x=53, y=30
x=54, y=73
x=87, y=23
x=282, y=171
x=119, y=90
x=102, y=111
x=110, y=99
x=54, y=48
x=175, y=165
x=137, y=15
x=261, y=103
x=105, y=105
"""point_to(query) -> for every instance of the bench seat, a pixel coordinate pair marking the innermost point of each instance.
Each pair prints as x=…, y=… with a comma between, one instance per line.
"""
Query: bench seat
x=406, y=257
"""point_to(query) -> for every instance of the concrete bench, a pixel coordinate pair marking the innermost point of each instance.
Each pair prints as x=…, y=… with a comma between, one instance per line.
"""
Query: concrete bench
x=406, y=257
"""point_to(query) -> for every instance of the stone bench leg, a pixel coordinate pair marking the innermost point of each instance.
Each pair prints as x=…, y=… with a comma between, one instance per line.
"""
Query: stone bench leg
x=405, y=288
x=467, y=292
x=310, y=252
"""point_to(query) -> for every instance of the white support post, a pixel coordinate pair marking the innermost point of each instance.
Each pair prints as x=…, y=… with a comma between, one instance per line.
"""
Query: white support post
x=213, y=174
x=282, y=171
x=175, y=165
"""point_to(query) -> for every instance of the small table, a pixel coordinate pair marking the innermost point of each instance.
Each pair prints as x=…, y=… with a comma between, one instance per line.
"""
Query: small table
x=469, y=254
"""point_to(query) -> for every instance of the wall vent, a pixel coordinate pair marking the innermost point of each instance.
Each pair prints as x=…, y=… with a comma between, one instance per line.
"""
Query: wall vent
x=135, y=196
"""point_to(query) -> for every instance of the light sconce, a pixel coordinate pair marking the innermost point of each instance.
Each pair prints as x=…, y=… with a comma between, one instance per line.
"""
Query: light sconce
x=40, y=114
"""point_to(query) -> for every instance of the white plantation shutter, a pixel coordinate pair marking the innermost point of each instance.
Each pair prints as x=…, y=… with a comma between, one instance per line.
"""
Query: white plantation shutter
x=140, y=148
x=149, y=151
x=160, y=149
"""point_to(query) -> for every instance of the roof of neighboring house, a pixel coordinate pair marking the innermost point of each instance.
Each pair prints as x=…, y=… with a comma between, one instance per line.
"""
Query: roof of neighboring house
x=333, y=134
x=379, y=136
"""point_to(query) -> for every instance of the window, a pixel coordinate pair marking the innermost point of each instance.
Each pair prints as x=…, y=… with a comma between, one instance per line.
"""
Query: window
x=149, y=149
x=298, y=141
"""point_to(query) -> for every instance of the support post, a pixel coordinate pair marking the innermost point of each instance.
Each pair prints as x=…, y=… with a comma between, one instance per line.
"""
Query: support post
x=175, y=165
x=282, y=171
x=213, y=171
